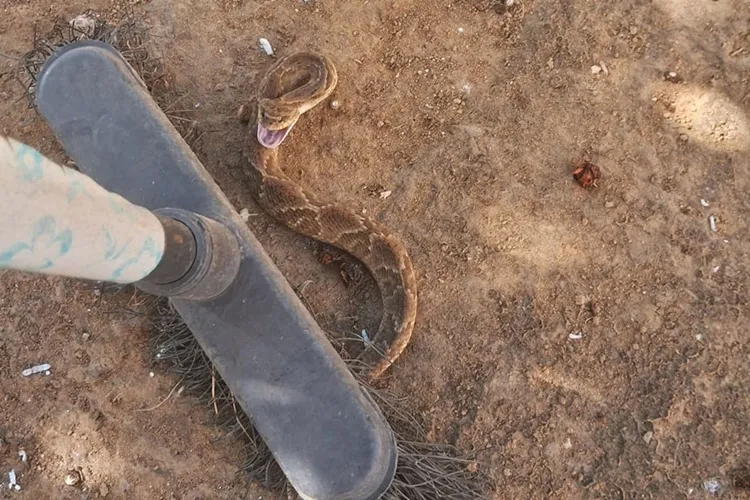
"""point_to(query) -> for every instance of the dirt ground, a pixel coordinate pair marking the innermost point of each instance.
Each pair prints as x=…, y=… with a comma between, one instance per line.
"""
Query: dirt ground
x=582, y=343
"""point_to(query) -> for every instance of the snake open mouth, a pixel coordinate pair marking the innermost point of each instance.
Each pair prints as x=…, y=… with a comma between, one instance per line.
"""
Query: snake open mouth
x=272, y=139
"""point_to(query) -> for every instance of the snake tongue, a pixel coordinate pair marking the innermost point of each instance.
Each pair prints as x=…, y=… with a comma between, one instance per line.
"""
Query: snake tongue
x=272, y=138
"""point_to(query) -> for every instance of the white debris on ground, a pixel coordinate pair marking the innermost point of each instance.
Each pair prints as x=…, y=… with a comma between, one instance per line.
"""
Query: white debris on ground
x=704, y=203
x=712, y=486
x=22, y=455
x=84, y=26
x=575, y=335
x=245, y=215
x=12, y=484
x=73, y=478
x=364, y=336
x=712, y=222
x=43, y=368
x=385, y=194
x=265, y=45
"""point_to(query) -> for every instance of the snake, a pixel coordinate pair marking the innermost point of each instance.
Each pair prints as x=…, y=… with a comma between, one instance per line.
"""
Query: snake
x=294, y=85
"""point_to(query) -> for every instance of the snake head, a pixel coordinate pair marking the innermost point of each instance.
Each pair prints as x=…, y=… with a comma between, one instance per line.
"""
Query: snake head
x=274, y=123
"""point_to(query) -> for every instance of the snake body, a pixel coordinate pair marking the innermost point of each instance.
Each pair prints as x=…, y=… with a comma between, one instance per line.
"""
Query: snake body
x=293, y=86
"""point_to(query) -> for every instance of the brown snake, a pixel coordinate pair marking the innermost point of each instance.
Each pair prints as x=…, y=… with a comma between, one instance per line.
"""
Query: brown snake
x=293, y=86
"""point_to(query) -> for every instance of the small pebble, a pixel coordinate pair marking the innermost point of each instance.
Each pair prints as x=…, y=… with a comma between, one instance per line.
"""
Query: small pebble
x=265, y=45
x=72, y=478
x=647, y=437
x=219, y=87
x=609, y=204
x=567, y=444
x=151, y=374
x=704, y=202
x=596, y=69
x=335, y=104
x=712, y=223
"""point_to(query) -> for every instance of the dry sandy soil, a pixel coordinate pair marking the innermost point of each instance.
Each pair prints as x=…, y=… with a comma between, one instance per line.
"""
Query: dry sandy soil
x=582, y=343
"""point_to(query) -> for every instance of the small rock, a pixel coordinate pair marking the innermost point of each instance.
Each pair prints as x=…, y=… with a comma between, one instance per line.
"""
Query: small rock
x=672, y=77
x=609, y=204
x=634, y=30
x=385, y=194
x=265, y=45
x=245, y=214
x=103, y=490
x=596, y=69
x=567, y=444
x=73, y=478
x=335, y=104
x=219, y=87
x=647, y=437
x=683, y=138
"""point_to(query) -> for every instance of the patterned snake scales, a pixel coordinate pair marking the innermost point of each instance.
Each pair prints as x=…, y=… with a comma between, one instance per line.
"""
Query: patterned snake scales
x=293, y=86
